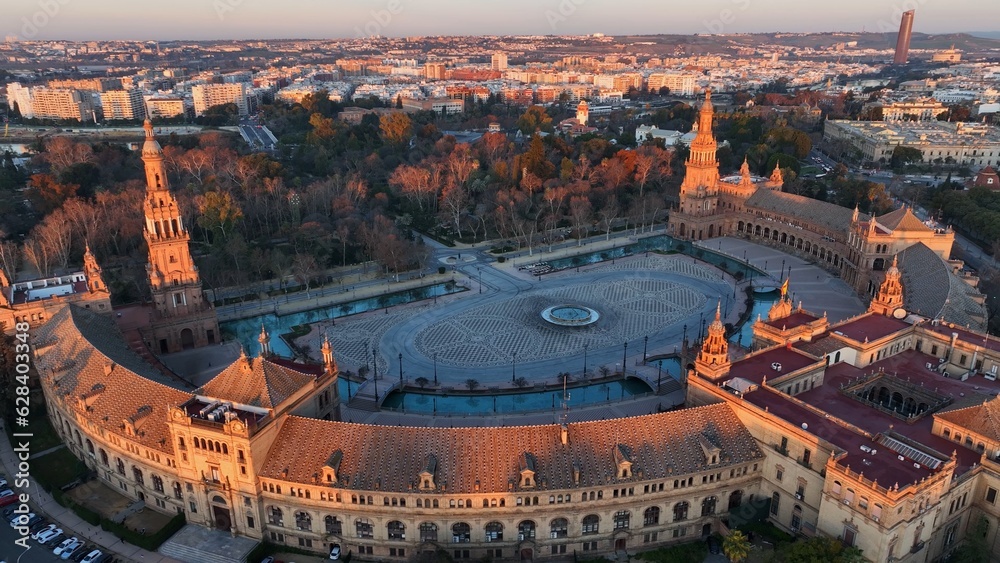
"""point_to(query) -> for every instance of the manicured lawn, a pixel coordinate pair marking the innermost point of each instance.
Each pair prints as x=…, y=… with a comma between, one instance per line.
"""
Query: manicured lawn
x=684, y=553
x=56, y=469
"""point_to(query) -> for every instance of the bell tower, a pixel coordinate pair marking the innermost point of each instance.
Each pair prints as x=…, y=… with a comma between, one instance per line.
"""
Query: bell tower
x=890, y=293
x=182, y=317
x=95, y=282
x=698, y=215
x=713, y=359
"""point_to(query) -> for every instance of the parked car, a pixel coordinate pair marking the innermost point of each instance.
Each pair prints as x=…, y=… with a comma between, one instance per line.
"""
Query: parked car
x=106, y=558
x=335, y=551
x=54, y=540
x=92, y=557
x=714, y=545
x=40, y=531
x=7, y=497
x=81, y=553
x=67, y=545
x=48, y=534
x=267, y=559
x=80, y=550
x=16, y=519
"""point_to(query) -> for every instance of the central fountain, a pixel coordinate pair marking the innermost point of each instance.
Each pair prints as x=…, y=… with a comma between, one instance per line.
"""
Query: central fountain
x=570, y=315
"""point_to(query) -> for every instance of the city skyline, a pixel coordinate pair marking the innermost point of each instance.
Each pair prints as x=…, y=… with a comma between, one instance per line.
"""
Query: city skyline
x=307, y=19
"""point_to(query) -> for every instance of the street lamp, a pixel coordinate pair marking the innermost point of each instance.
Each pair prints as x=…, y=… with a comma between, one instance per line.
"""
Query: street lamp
x=400, y=367
x=585, y=360
x=435, y=368
x=480, y=270
x=659, y=370
x=685, y=333
x=513, y=368
x=645, y=341
x=624, y=355
x=366, y=356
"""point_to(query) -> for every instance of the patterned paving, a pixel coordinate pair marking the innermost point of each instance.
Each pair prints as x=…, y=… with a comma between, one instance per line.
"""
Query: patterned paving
x=354, y=338
x=490, y=335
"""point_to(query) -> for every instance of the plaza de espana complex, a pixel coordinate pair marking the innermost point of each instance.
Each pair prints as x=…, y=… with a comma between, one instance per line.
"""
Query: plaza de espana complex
x=881, y=430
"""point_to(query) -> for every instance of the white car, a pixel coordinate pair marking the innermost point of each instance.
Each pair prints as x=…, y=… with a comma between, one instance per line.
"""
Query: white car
x=42, y=538
x=92, y=556
x=44, y=530
x=21, y=518
x=67, y=545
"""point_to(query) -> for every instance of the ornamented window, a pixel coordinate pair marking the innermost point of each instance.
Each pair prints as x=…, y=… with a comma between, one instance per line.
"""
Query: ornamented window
x=526, y=530
x=494, y=532
x=396, y=530
x=591, y=524
x=363, y=528
x=428, y=532
x=303, y=521
x=461, y=533
x=680, y=511
x=558, y=528
x=333, y=526
x=622, y=519
x=651, y=516
x=275, y=516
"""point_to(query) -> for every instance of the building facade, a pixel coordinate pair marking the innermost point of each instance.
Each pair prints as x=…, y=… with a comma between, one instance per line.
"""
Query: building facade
x=123, y=104
x=209, y=95
x=902, y=53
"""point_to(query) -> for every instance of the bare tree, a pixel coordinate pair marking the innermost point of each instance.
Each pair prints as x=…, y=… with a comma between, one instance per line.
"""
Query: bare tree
x=609, y=213
x=63, y=152
x=10, y=258
x=455, y=202
x=581, y=211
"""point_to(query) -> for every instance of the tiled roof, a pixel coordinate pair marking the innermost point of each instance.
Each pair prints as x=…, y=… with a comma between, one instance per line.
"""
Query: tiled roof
x=931, y=290
x=902, y=219
x=257, y=382
x=660, y=446
x=983, y=419
x=829, y=215
x=92, y=369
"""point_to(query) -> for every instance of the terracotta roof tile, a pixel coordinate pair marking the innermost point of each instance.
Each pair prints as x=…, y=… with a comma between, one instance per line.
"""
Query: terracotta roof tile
x=661, y=445
x=902, y=219
x=982, y=419
x=829, y=215
x=257, y=382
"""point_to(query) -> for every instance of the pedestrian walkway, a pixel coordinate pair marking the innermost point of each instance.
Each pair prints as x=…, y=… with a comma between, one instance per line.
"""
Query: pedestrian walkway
x=43, y=503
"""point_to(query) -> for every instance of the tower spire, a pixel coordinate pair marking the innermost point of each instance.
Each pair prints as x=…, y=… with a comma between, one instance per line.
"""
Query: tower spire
x=329, y=363
x=713, y=359
x=265, y=342
x=890, y=292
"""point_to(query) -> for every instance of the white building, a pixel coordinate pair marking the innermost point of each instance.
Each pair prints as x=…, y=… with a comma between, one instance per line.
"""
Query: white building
x=20, y=96
x=123, y=105
x=208, y=95
x=669, y=137
x=165, y=107
x=60, y=103
x=971, y=144
x=678, y=84
x=499, y=61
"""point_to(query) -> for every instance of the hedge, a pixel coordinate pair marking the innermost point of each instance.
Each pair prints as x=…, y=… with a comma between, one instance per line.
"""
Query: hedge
x=149, y=542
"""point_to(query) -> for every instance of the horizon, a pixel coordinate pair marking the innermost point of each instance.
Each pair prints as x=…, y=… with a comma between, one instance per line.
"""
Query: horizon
x=249, y=20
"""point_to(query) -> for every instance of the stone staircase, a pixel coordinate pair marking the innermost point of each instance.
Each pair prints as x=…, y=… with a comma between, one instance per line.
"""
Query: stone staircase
x=196, y=544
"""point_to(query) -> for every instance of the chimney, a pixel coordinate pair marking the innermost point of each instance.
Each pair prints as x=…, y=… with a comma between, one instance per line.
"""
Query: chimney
x=564, y=434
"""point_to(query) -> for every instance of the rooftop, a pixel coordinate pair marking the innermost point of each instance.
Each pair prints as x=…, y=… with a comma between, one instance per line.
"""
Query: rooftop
x=794, y=320
x=869, y=327
x=828, y=215
x=758, y=366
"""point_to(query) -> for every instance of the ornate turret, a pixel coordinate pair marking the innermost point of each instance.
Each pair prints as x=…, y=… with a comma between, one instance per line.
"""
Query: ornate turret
x=329, y=363
x=95, y=282
x=890, y=292
x=854, y=216
x=582, y=112
x=265, y=342
x=776, y=177
x=713, y=359
x=704, y=146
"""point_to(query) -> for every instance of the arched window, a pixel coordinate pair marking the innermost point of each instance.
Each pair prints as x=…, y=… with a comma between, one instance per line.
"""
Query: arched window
x=558, y=528
x=494, y=532
x=157, y=484
x=137, y=475
x=121, y=466
x=680, y=511
x=735, y=499
x=428, y=532
x=835, y=489
x=90, y=447
x=461, y=533
x=526, y=530
x=104, y=457
x=622, y=519
x=775, y=501
x=591, y=524
x=397, y=530
x=275, y=516
x=333, y=526
x=363, y=528
x=708, y=506
x=177, y=490
x=651, y=516
x=303, y=521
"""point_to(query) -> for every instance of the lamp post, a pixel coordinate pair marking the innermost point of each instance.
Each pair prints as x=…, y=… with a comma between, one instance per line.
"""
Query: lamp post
x=480, y=270
x=685, y=334
x=513, y=368
x=645, y=342
x=585, y=360
x=659, y=370
x=401, y=367
x=624, y=355
x=435, y=368
x=366, y=355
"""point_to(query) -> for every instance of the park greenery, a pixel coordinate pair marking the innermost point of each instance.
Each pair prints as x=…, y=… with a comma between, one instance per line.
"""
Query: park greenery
x=340, y=192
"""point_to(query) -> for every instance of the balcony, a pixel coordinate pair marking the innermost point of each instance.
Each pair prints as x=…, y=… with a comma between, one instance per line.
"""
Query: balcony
x=917, y=547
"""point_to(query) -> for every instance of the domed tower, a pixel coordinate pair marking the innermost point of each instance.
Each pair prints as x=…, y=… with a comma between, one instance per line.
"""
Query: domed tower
x=582, y=112
x=713, y=359
x=182, y=317
x=890, y=293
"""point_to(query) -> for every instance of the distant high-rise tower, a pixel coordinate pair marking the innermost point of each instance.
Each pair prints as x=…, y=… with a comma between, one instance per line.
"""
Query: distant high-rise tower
x=903, y=40
x=499, y=61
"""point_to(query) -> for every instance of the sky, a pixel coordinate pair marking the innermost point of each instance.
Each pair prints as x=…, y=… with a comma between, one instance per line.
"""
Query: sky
x=320, y=19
